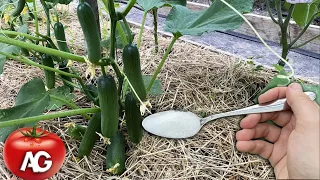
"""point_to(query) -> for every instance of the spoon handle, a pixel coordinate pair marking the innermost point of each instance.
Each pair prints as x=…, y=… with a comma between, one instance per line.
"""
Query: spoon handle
x=278, y=105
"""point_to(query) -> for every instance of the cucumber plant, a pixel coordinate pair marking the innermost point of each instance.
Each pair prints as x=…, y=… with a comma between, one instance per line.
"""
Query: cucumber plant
x=303, y=13
x=121, y=91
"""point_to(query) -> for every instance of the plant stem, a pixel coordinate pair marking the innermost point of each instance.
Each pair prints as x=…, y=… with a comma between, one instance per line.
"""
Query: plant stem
x=103, y=71
x=260, y=38
x=36, y=16
x=28, y=61
x=113, y=17
x=122, y=34
x=304, y=29
x=155, y=28
x=130, y=38
x=119, y=75
x=68, y=103
x=284, y=37
x=47, y=38
x=69, y=83
x=35, y=54
x=270, y=13
x=49, y=116
x=56, y=14
x=86, y=92
x=141, y=28
x=14, y=33
x=165, y=56
x=47, y=12
x=125, y=89
x=304, y=43
x=29, y=12
x=279, y=12
x=288, y=18
x=42, y=49
x=128, y=7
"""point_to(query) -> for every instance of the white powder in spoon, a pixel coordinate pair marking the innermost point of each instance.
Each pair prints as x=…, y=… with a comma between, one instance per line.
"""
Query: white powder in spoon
x=172, y=124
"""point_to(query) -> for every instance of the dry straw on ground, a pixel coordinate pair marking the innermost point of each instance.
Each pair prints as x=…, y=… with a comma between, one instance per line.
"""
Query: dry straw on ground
x=193, y=79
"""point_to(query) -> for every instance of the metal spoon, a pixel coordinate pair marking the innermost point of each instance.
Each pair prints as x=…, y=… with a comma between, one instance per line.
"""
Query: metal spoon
x=179, y=124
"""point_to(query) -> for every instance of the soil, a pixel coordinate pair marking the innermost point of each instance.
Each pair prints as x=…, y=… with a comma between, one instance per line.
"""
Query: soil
x=193, y=79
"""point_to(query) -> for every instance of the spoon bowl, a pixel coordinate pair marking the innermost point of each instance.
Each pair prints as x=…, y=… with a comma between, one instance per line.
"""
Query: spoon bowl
x=172, y=124
x=179, y=124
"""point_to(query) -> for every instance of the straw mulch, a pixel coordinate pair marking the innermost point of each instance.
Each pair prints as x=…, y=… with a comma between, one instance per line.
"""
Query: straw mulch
x=193, y=79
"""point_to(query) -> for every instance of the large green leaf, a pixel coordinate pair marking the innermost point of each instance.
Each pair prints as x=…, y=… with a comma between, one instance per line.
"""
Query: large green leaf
x=280, y=81
x=303, y=13
x=183, y=21
x=29, y=103
x=156, y=88
x=9, y=48
x=175, y=2
x=147, y=5
x=62, y=92
x=5, y=5
x=313, y=88
x=277, y=81
x=31, y=91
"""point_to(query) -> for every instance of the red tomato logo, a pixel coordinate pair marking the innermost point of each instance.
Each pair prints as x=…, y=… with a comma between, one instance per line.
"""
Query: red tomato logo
x=33, y=153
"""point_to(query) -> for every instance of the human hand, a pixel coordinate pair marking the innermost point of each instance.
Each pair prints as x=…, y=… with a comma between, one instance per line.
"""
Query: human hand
x=292, y=150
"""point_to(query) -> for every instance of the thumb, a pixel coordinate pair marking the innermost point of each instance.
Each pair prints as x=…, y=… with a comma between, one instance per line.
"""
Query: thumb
x=301, y=105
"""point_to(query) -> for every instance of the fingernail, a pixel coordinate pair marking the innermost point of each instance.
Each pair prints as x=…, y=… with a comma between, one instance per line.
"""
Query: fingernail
x=295, y=86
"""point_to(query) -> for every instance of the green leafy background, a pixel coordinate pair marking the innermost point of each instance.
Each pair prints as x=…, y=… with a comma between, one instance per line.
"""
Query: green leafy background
x=31, y=100
x=183, y=21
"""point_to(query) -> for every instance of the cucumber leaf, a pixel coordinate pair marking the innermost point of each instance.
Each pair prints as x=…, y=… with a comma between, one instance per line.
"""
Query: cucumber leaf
x=156, y=88
x=277, y=81
x=30, y=91
x=303, y=12
x=147, y=5
x=313, y=88
x=30, y=102
x=4, y=5
x=9, y=48
x=183, y=21
x=175, y=2
x=62, y=92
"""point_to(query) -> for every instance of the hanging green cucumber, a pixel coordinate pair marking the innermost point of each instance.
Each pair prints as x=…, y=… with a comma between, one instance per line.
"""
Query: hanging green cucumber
x=62, y=44
x=65, y=2
x=108, y=100
x=50, y=76
x=19, y=8
x=133, y=118
x=61, y=37
x=76, y=131
x=116, y=154
x=90, y=136
x=90, y=31
x=132, y=68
